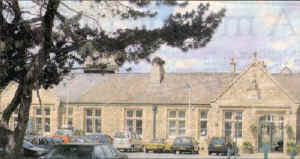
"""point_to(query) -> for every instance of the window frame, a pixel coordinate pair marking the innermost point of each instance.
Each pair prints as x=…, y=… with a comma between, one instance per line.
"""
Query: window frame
x=134, y=118
x=178, y=119
x=203, y=120
x=90, y=114
x=235, y=120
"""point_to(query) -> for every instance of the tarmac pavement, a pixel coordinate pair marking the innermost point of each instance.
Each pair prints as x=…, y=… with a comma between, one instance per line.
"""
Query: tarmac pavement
x=142, y=155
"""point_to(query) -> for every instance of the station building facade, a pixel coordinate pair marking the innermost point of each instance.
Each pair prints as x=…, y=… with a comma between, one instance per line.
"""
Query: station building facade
x=250, y=106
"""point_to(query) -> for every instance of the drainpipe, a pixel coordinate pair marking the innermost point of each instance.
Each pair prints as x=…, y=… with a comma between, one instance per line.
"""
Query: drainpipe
x=154, y=109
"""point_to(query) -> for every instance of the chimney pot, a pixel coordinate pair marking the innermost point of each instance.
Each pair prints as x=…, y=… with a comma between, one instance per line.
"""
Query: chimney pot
x=157, y=74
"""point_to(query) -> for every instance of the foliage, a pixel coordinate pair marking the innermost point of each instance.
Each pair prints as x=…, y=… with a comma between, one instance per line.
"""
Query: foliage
x=292, y=147
x=247, y=147
x=41, y=45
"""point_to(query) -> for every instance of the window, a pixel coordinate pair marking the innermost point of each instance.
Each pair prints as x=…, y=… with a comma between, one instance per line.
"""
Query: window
x=70, y=122
x=47, y=125
x=41, y=120
x=98, y=112
x=89, y=125
x=203, y=123
x=70, y=111
x=176, y=123
x=233, y=124
x=93, y=120
x=38, y=111
x=47, y=111
x=129, y=113
x=134, y=121
x=38, y=123
x=139, y=127
x=89, y=112
x=98, y=125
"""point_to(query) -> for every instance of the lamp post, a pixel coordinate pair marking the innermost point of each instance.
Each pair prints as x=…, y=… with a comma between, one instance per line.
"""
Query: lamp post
x=235, y=138
x=189, y=117
x=154, y=109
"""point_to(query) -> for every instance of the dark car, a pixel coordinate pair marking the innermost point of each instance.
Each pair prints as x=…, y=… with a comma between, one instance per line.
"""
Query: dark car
x=185, y=144
x=31, y=150
x=220, y=146
x=103, y=138
x=84, y=151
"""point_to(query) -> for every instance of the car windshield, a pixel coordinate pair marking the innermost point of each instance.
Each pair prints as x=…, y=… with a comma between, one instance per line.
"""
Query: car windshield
x=71, y=152
x=120, y=135
x=183, y=140
x=218, y=141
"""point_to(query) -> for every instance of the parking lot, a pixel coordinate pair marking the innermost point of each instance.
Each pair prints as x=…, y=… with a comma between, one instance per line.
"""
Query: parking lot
x=141, y=155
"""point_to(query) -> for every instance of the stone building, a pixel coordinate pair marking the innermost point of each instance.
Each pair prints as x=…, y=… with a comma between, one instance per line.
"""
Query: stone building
x=250, y=106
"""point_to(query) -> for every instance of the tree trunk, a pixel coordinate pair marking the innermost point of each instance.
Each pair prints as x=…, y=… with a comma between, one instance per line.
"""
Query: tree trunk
x=15, y=139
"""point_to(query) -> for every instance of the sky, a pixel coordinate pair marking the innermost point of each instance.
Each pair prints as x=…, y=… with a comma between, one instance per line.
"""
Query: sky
x=271, y=29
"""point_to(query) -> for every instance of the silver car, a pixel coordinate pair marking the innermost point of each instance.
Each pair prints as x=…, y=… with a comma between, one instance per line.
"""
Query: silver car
x=128, y=141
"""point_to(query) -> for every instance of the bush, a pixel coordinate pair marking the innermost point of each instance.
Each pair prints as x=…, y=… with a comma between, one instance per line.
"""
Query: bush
x=291, y=146
x=247, y=147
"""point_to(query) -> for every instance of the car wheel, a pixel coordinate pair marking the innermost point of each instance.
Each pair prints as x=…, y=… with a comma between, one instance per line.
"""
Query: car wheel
x=209, y=153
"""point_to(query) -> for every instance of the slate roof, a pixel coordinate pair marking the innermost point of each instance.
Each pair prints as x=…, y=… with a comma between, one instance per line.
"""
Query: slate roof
x=137, y=87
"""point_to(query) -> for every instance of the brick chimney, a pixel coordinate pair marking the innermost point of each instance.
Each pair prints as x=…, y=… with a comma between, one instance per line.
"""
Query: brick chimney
x=158, y=71
x=232, y=65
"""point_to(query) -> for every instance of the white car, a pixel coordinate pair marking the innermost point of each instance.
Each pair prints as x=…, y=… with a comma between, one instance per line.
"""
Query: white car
x=128, y=141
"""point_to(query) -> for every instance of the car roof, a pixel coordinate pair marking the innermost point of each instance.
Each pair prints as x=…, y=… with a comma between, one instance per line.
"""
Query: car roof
x=82, y=144
x=184, y=137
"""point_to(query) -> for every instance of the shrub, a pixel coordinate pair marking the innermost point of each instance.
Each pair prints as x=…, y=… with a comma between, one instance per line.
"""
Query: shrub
x=247, y=147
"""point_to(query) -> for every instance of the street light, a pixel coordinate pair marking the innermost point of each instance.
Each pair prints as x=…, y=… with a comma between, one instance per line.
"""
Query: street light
x=189, y=87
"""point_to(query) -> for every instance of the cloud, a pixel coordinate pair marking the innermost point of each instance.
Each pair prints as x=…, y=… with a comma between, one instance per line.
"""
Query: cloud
x=283, y=45
x=290, y=63
x=268, y=16
x=279, y=45
x=268, y=62
x=187, y=63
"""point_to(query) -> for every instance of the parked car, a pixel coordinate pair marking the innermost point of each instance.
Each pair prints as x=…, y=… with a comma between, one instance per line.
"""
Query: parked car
x=31, y=150
x=81, y=139
x=28, y=150
x=185, y=144
x=219, y=146
x=64, y=134
x=156, y=145
x=84, y=151
x=128, y=141
x=101, y=138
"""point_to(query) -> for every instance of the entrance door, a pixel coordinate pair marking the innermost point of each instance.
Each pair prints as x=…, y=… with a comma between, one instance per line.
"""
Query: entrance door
x=270, y=133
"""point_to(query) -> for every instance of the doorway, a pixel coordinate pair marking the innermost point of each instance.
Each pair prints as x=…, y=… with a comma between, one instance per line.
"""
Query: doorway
x=270, y=133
